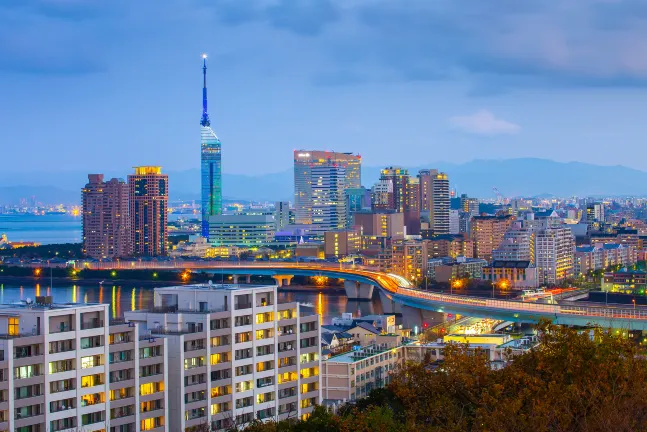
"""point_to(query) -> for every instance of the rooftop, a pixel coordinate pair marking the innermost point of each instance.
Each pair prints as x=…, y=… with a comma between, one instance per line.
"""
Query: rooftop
x=214, y=287
x=24, y=305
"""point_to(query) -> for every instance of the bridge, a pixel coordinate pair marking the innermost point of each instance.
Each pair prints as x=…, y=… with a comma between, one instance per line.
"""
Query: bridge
x=397, y=293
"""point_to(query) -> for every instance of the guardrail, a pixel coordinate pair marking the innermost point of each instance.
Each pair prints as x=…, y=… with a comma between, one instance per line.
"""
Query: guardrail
x=636, y=313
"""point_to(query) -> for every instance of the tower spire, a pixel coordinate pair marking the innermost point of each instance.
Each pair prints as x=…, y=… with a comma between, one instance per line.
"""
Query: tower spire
x=205, y=116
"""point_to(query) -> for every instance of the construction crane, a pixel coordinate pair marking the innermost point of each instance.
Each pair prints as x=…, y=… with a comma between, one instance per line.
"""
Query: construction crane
x=499, y=197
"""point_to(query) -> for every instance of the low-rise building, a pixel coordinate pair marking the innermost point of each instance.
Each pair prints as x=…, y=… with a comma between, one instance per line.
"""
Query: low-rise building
x=235, y=354
x=461, y=267
x=339, y=244
x=511, y=274
x=246, y=230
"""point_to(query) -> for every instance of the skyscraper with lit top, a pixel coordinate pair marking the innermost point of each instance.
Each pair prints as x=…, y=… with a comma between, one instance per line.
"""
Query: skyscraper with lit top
x=210, y=163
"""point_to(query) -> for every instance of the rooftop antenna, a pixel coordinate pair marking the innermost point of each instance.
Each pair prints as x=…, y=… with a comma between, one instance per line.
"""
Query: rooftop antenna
x=205, y=116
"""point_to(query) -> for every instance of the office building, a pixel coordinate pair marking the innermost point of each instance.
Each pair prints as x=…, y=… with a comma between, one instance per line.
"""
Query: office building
x=235, y=354
x=304, y=162
x=148, y=204
x=554, y=254
x=246, y=230
x=399, y=179
x=282, y=215
x=339, y=244
x=210, y=163
x=412, y=206
x=469, y=205
x=487, y=233
x=357, y=199
x=64, y=368
x=380, y=224
x=106, y=222
x=328, y=197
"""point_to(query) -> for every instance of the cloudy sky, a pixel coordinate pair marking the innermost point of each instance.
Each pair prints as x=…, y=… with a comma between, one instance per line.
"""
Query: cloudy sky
x=105, y=85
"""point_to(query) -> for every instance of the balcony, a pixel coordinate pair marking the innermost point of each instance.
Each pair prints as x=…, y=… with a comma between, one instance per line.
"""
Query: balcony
x=89, y=325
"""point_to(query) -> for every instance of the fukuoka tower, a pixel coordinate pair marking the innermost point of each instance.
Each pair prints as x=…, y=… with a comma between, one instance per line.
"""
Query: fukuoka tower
x=210, y=163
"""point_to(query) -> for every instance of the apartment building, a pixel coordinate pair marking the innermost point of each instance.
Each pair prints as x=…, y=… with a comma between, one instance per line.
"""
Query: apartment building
x=63, y=368
x=354, y=374
x=234, y=354
x=487, y=233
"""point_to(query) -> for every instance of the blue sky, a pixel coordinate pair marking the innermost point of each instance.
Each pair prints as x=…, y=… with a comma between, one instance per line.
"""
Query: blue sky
x=108, y=85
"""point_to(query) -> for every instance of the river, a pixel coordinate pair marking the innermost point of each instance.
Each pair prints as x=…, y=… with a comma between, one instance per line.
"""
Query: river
x=126, y=298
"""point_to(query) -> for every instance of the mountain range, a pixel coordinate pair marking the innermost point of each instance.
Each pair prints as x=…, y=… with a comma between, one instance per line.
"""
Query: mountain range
x=512, y=177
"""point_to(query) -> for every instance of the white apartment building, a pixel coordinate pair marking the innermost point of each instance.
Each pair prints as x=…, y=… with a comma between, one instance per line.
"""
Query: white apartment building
x=63, y=368
x=554, y=254
x=518, y=245
x=234, y=354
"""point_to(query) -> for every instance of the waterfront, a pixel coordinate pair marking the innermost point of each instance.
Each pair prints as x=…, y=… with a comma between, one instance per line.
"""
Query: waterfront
x=125, y=298
x=45, y=229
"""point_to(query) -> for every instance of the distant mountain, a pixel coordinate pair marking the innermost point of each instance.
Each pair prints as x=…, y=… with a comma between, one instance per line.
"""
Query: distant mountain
x=512, y=177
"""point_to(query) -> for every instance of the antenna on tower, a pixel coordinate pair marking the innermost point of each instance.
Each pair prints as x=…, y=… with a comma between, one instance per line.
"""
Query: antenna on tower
x=205, y=116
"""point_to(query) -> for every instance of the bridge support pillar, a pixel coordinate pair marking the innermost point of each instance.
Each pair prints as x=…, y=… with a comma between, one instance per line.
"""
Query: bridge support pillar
x=234, y=278
x=283, y=280
x=358, y=290
x=248, y=279
x=389, y=306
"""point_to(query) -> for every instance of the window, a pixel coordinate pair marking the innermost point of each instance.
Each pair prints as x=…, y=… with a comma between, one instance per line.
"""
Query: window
x=14, y=326
x=265, y=397
x=218, y=408
x=151, y=423
x=243, y=337
x=220, y=358
x=92, y=399
x=91, y=380
x=26, y=371
x=121, y=393
x=264, y=317
x=243, y=320
x=150, y=388
x=150, y=352
x=90, y=361
x=264, y=366
x=244, y=386
x=220, y=391
x=264, y=334
x=193, y=362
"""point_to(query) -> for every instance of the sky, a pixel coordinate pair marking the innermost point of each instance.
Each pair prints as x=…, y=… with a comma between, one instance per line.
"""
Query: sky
x=108, y=85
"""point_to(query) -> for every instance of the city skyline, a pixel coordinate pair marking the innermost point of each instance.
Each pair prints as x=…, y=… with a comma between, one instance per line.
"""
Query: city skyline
x=499, y=99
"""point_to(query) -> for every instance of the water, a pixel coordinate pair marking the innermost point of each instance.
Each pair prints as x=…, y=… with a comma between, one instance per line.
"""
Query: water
x=127, y=298
x=45, y=229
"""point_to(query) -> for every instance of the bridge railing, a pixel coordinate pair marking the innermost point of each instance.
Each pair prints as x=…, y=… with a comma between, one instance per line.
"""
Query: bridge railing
x=515, y=305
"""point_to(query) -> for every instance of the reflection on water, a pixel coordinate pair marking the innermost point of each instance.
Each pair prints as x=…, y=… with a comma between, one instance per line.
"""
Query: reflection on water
x=327, y=305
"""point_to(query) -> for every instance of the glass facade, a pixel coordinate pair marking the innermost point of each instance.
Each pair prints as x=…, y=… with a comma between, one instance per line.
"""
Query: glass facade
x=211, y=177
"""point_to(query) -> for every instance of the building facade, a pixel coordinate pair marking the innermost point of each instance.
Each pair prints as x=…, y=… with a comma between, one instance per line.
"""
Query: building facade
x=440, y=203
x=555, y=254
x=106, y=221
x=210, y=163
x=307, y=160
x=65, y=368
x=487, y=233
x=242, y=230
x=515, y=275
x=235, y=354
x=328, y=184
x=148, y=202
x=339, y=244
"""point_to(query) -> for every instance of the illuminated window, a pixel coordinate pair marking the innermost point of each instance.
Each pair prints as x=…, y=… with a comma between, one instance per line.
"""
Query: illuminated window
x=244, y=386
x=150, y=388
x=90, y=361
x=151, y=423
x=264, y=317
x=14, y=326
x=219, y=358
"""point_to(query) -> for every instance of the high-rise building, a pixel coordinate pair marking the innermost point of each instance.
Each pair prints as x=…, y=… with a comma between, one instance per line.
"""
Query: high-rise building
x=338, y=244
x=382, y=196
x=470, y=205
x=440, y=203
x=235, y=354
x=304, y=162
x=210, y=163
x=65, y=368
x=412, y=206
x=148, y=211
x=106, y=224
x=487, y=233
x=327, y=183
x=454, y=221
x=357, y=199
x=282, y=215
x=555, y=254
x=399, y=178
x=380, y=224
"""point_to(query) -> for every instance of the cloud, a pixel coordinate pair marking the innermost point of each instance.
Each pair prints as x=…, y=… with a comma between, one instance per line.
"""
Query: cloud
x=483, y=122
